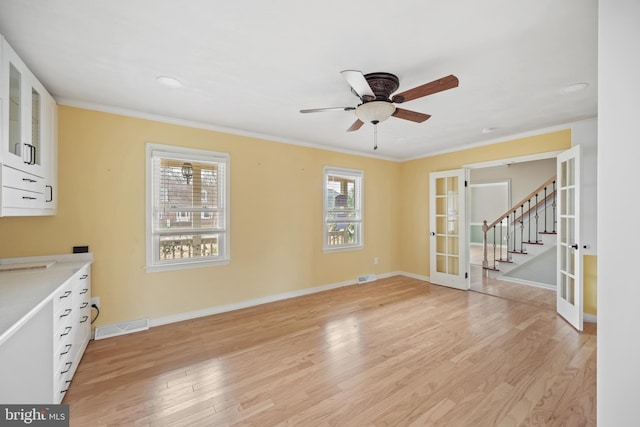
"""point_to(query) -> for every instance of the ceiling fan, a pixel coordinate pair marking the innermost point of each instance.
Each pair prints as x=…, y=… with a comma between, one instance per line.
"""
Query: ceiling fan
x=377, y=105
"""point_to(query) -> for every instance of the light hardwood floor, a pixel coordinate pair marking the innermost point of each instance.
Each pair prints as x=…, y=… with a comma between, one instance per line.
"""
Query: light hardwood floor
x=397, y=352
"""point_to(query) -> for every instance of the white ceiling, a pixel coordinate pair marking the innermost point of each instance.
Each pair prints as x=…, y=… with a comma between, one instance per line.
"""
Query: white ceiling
x=249, y=66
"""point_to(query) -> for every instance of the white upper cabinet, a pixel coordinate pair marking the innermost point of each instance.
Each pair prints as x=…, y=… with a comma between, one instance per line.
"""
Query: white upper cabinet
x=28, y=140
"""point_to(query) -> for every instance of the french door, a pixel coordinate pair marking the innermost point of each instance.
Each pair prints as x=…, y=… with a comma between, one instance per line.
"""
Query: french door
x=449, y=240
x=569, y=299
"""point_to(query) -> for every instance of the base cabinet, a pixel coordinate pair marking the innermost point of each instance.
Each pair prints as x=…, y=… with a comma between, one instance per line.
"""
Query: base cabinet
x=38, y=361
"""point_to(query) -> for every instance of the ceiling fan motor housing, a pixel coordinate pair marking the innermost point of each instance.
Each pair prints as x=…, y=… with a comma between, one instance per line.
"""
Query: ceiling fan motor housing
x=382, y=85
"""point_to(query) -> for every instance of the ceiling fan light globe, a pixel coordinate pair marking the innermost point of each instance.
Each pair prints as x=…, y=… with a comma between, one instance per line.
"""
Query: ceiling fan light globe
x=375, y=111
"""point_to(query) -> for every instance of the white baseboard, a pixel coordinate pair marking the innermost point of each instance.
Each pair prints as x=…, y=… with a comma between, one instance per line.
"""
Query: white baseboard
x=589, y=318
x=413, y=276
x=254, y=302
x=528, y=283
x=263, y=300
x=293, y=294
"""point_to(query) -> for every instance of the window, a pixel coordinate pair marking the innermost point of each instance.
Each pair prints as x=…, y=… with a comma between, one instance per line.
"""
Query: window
x=342, y=209
x=187, y=208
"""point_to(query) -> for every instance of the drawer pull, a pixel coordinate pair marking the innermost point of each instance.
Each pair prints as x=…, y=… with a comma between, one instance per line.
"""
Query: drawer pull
x=28, y=180
x=68, y=367
x=66, y=331
x=84, y=319
x=84, y=305
x=67, y=311
x=28, y=198
x=84, y=291
x=67, y=348
x=66, y=294
x=67, y=382
x=50, y=199
x=84, y=276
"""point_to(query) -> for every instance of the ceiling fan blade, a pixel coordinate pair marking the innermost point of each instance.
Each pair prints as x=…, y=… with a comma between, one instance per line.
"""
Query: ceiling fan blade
x=320, y=110
x=414, y=116
x=356, y=125
x=435, y=86
x=358, y=83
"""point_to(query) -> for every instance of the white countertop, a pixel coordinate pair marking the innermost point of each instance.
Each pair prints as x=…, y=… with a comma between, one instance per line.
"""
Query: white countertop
x=24, y=292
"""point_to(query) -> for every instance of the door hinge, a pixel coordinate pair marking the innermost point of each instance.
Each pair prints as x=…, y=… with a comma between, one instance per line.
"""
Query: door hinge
x=466, y=183
x=466, y=275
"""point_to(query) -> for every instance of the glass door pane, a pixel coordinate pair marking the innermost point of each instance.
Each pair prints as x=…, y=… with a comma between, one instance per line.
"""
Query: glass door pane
x=15, y=111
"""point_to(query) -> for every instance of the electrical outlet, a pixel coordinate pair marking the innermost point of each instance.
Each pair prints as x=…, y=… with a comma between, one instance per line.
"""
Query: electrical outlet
x=95, y=301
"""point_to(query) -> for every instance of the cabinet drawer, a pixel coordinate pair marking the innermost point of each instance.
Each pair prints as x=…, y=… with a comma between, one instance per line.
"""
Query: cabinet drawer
x=19, y=180
x=62, y=300
x=14, y=198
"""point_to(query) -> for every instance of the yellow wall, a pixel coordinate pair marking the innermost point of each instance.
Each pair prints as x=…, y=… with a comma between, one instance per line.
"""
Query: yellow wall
x=276, y=214
x=590, y=281
x=276, y=217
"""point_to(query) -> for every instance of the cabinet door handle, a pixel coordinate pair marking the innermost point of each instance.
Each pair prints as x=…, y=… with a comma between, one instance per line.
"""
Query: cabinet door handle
x=28, y=198
x=84, y=319
x=68, y=367
x=66, y=294
x=84, y=291
x=66, y=331
x=67, y=348
x=84, y=276
x=29, y=180
x=84, y=305
x=67, y=311
x=32, y=154
x=50, y=199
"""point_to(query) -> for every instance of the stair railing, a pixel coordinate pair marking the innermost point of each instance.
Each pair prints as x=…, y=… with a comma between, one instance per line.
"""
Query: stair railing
x=513, y=223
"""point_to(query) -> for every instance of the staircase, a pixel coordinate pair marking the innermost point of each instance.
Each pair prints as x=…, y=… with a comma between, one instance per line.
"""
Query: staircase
x=520, y=244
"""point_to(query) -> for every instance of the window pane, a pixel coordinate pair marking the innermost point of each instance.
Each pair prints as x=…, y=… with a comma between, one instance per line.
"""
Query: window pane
x=343, y=211
x=188, y=246
x=187, y=202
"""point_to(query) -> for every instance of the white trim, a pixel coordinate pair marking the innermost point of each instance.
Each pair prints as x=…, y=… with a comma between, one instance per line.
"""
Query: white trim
x=505, y=138
x=358, y=176
x=185, y=153
x=589, y=318
x=232, y=131
x=208, y=126
x=528, y=283
x=414, y=276
x=259, y=301
x=246, y=304
x=510, y=160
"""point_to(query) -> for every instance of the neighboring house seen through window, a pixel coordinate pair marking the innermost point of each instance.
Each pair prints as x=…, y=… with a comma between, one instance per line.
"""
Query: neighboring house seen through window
x=342, y=208
x=187, y=207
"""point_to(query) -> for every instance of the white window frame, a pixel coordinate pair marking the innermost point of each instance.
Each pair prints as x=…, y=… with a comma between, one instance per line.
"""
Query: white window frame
x=153, y=263
x=358, y=176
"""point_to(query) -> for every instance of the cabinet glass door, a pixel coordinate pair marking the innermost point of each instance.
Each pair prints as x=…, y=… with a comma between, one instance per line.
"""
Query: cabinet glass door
x=36, y=119
x=15, y=111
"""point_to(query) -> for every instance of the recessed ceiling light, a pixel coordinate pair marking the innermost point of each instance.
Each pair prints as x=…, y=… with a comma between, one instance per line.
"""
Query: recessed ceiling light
x=488, y=130
x=169, y=81
x=575, y=87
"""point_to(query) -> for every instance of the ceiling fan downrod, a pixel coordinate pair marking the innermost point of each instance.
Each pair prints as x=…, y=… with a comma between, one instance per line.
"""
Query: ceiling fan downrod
x=375, y=134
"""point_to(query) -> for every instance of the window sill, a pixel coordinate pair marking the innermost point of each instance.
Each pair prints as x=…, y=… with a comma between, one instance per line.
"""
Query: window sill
x=186, y=265
x=328, y=250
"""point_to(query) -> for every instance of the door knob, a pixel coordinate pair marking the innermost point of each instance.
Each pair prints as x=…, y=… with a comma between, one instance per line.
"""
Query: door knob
x=433, y=233
x=575, y=246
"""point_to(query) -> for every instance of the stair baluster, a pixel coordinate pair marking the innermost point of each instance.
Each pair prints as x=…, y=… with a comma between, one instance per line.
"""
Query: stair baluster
x=511, y=217
x=554, y=206
x=522, y=228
